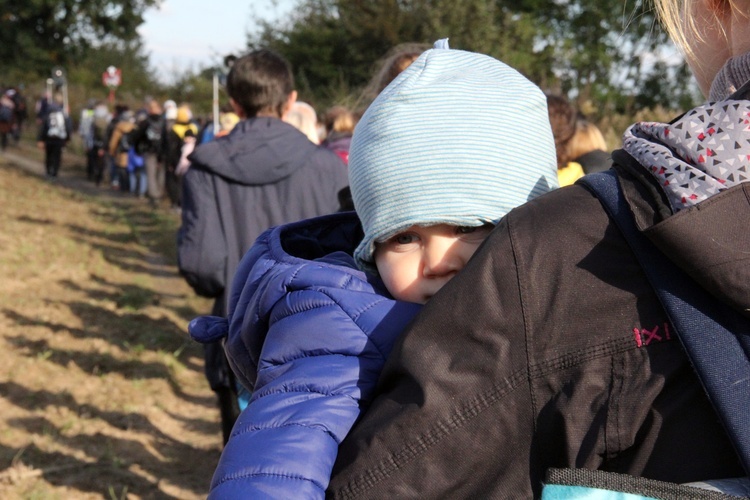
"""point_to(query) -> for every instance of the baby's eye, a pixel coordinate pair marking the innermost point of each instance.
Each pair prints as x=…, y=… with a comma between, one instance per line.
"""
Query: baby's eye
x=404, y=238
x=475, y=233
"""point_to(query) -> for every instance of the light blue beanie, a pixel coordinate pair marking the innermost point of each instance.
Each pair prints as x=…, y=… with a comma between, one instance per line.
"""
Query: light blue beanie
x=457, y=138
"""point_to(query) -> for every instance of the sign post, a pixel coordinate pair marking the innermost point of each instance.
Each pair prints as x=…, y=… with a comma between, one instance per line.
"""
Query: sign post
x=220, y=79
x=48, y=89
x=216, y=102
x=60, y=82
x=112, y=78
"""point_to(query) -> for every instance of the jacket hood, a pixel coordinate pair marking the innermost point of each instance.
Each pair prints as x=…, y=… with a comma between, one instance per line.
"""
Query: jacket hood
x=697, y=172
x=709, y=240
x=291, y=267
x=288, y=269
x=277, y=150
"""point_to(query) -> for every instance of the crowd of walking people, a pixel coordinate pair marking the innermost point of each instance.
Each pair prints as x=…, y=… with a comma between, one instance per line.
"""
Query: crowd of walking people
x=459, y=290
x=143, y=151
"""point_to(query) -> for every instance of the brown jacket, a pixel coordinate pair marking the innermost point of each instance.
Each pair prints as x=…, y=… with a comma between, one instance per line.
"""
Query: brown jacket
x=561, y=356
x=121, y=157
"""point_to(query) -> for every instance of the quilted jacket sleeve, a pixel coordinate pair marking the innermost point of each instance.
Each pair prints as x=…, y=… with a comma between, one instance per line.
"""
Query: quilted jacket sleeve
x=201, y=248
x=328, y=337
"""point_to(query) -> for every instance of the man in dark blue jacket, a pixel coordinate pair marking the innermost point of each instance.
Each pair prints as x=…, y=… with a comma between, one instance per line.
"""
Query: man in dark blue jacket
x=264, y=173
x=54, y=134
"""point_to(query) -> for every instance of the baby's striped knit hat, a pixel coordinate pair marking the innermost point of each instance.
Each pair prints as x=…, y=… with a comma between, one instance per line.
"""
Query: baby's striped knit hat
x=457, y=138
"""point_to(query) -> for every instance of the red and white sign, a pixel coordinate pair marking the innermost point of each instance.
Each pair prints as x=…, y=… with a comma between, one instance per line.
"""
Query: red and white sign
x=112, y=77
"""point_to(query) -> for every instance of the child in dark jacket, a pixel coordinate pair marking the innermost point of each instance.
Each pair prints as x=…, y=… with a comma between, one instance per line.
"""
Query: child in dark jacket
x=452, y=145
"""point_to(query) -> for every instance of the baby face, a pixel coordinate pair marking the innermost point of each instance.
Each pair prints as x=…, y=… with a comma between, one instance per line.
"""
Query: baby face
x=414, y=264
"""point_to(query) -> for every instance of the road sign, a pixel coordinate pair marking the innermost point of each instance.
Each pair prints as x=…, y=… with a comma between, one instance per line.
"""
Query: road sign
x=112, y=77
x=58, y=76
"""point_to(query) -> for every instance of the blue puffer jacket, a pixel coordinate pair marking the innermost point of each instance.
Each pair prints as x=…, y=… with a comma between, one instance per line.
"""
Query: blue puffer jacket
x=308, y=333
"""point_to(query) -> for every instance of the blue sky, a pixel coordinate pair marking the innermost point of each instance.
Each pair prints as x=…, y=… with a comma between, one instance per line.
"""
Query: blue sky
x=186, y=34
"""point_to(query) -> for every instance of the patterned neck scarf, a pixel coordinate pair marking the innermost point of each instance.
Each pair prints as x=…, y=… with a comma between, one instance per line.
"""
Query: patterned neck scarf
x=703, y=152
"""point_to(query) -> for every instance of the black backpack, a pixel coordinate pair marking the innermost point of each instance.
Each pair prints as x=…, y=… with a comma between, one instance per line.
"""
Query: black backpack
x=125, y=143
x=153, y=134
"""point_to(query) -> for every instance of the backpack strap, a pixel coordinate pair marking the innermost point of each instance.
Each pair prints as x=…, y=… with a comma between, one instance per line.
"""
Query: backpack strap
x=719, y=355
x=571, y=484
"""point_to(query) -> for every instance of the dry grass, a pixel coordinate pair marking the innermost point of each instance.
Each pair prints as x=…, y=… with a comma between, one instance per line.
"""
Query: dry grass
x=102, y=393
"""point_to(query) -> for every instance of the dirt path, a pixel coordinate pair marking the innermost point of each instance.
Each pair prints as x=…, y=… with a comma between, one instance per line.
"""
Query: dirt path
x=102, y=393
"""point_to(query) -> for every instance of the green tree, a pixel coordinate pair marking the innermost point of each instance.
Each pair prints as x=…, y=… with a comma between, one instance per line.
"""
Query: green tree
x=137, y=78
x=36, y=35
x=195, y=87
x=592, y=50
x=325, y=54
x=138, y=81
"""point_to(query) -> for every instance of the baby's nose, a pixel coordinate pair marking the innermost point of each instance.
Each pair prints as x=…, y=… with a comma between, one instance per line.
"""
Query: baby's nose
x=440, y=258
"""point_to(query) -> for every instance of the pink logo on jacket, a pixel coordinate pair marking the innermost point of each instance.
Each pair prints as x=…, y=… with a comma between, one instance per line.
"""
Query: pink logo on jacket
x=644, y=336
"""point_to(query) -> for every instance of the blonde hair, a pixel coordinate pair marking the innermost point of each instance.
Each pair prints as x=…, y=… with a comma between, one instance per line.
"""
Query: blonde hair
x=228, y=120
x=678, y=20
x=340, y=119
x=587, y=138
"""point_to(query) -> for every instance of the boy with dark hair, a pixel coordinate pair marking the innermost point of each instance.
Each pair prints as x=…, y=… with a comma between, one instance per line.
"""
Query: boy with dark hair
x=264, y=173
x=261, y=84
